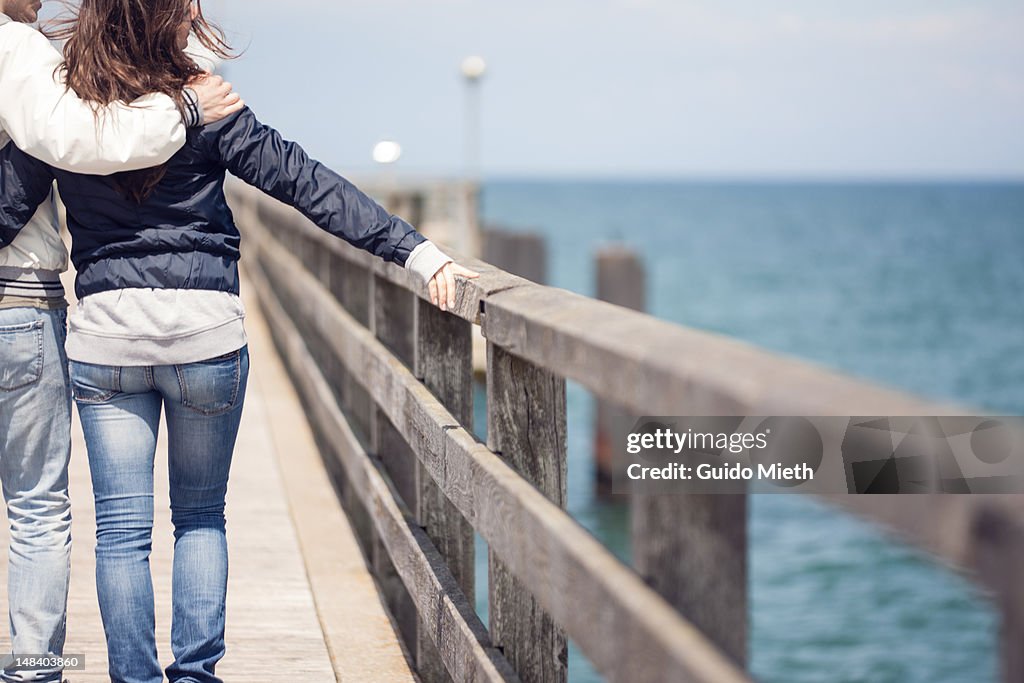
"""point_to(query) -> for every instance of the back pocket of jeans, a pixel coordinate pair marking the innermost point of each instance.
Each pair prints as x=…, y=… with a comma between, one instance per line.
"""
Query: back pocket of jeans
x=21, y=355
x=94, y=383
x=210, y=386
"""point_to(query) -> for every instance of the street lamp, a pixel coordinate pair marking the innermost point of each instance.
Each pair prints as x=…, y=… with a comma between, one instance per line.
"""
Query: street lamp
x=473, y=69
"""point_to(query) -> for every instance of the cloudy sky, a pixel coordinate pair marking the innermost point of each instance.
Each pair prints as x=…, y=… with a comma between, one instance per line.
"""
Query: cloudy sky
x=804, y=88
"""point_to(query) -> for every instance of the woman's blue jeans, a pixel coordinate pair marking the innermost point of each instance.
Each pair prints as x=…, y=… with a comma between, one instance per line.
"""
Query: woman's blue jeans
x=120, y=410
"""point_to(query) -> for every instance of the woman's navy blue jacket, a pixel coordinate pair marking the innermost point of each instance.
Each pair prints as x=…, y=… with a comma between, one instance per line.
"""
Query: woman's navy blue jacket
x=183, y=235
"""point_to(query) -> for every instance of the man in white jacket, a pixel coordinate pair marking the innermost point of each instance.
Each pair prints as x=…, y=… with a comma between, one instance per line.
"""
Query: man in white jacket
x=49, y=122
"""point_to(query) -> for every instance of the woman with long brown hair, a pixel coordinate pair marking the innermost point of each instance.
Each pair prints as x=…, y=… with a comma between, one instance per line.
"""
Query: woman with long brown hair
x=38, y=114
x=159, y=322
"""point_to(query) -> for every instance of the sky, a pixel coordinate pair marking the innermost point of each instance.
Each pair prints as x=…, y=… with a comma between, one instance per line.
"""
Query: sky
x=645, y=88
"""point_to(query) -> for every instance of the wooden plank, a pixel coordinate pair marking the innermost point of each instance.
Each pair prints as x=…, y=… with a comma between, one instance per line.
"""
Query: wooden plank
x=526, y=426
x=692, y=549
x=631, y=634
x=461, y=639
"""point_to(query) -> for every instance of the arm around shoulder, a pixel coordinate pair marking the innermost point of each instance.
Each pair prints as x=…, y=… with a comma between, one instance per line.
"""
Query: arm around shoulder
x=50, y=122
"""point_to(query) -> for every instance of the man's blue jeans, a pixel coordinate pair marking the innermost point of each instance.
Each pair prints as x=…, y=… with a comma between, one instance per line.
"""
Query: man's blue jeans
x=35, y=444
x=120, y=410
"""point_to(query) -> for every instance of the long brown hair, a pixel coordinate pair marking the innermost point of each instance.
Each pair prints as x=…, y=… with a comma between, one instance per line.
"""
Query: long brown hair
x=120, y=50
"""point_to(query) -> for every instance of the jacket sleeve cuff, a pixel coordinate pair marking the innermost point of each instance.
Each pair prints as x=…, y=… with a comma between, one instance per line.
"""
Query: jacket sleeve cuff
x=426, y=259
x=193, y=116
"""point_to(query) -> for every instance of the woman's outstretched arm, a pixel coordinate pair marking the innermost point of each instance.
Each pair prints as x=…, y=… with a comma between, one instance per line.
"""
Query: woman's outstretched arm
x=259, y=155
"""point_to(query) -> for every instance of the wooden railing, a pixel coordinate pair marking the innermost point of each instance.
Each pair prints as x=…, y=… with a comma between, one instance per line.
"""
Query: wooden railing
x=387, y=382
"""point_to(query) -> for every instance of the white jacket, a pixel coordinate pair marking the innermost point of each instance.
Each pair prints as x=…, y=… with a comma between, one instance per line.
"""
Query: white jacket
x=47, y=120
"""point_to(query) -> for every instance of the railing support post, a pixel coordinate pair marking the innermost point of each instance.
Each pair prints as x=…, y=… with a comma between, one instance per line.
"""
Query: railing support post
x=444, y=362
x=355, y=293
x=526, y=426
x=442, y=359
x=692, y=549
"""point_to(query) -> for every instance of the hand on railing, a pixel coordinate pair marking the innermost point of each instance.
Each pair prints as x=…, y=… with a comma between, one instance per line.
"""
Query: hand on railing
x=442, y=285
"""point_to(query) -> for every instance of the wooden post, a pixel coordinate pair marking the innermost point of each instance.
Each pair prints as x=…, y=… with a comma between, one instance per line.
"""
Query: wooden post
x=620, y=280
x=359, y=517
x=355, y=294
x=392, y=322
x=526, y=426
x=997, y=550
x=394, y=318
x=520, y=253
x=443, y=360
x=692, y=549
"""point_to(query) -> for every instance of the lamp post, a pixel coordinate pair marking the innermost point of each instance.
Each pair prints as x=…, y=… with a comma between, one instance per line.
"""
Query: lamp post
x=473, y=70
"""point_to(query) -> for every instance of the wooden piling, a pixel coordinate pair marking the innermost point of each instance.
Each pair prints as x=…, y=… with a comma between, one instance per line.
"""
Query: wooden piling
x=520, y=253
x=621, y=280
x=442, y=359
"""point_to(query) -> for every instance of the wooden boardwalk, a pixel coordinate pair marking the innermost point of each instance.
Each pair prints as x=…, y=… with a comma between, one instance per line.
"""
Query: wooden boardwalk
x=302, y=604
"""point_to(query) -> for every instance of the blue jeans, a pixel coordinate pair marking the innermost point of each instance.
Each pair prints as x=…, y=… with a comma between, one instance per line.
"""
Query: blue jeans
x=120, y=410
x=35, y=444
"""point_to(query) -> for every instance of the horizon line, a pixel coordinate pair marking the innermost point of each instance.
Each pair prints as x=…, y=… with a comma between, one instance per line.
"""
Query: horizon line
x=669, y=177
